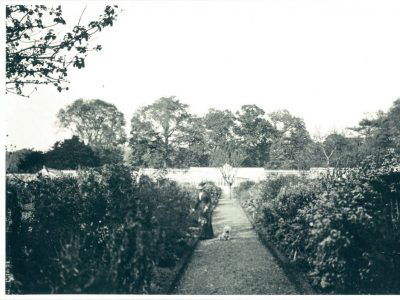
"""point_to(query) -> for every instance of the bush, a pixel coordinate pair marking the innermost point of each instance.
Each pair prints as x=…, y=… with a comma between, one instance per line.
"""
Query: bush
x=343, y=229
x=354, y=239
x=102, y=232
x=254, y=197
x=171, y=205
x=213, y=190
x=242, y=190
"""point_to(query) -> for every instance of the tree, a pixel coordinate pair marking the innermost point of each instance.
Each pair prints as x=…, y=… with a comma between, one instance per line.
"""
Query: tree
x=381, y=131
x=193, y=150
x=110, y=154
x=71, y=154
x=223, y=155
x=393, y=120
x=255, y=134
x=219, y=126
x=290, y=144
x=32, y=162
x=334, y=148
x=158, y=130
x=37, y=55
x=96, y=122
x=13, y=158
x=227, y=161
x=228, y=174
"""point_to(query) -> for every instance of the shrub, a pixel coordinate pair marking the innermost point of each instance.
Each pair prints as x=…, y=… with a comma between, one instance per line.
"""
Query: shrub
x=254, y=197
x=102, y=232
x=343, y=228
x=355, y=236
x=213, y=190
x=241, y=191
x=171, y=205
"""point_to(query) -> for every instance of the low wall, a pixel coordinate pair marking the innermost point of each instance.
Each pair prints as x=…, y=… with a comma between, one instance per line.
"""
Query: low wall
x=195, y=175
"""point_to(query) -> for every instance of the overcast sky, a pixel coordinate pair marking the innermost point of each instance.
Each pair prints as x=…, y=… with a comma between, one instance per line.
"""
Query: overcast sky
x=328, y=62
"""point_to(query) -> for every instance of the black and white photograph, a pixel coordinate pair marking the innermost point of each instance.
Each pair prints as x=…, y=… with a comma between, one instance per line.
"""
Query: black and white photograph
x=200, y=148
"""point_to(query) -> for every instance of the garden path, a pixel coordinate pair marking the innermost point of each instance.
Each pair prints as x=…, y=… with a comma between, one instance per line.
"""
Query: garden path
x=239, y=266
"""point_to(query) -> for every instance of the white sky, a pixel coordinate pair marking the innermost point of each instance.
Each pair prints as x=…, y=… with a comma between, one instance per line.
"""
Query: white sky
x=329, y=62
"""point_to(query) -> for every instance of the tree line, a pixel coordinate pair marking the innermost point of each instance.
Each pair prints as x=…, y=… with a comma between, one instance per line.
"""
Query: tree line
x=165, y=134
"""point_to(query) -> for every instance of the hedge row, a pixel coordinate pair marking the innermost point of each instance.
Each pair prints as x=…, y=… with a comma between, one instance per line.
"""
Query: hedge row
x=343, y=229
x=101, y=232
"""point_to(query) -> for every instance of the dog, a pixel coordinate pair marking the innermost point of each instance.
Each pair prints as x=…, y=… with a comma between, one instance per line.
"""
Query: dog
x=226, y=234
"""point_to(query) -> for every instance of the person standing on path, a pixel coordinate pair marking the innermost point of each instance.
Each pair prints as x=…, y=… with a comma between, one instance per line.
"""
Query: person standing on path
x=204, y=206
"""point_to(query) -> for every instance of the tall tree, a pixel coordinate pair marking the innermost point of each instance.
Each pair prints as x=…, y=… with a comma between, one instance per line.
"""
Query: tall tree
x=221, y=156
x=158, y=130
x=37, y=55
x=97, y=123
x=393, y=120
x=290, y=144
x=222, y=143
x=255, y=134
x=219, y=125
x=193, y=151
x=381, y=131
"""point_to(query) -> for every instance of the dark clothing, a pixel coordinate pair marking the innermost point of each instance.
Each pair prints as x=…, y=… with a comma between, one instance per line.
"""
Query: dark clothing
x=204, y=207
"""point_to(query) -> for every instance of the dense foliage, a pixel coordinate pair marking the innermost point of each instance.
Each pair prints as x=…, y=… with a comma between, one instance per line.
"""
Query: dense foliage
x=166, y=134
x=343, y=228
x=69, y=154
x=101, y=232
x=28, y=161
x=96, y=122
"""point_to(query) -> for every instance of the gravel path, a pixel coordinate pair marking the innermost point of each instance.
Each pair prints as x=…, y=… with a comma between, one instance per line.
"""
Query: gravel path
x=239, y=266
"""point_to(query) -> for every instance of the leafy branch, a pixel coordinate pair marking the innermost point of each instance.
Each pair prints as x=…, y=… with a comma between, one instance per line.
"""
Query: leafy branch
x=37, y=55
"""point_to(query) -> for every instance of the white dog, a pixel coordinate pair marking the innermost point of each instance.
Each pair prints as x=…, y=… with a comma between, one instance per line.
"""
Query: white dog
x=226, y=234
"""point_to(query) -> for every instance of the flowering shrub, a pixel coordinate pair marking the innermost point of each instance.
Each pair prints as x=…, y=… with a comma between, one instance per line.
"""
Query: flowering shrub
x=343, y=228
x=102, y=232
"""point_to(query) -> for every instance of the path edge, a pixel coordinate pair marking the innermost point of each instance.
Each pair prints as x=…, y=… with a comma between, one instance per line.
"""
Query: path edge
x=180, y=269
x=295, y=276
x=184, y=262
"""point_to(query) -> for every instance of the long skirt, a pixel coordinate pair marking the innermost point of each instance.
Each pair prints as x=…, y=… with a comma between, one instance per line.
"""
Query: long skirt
x=207, y=229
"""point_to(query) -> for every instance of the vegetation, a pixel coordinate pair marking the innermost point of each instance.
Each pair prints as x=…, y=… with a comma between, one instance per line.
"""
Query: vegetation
x=158, y=131
x=101, y=232
x=342, y=229
x=105, y=231
x=36, y=54
x=165, y=134
x=96, y=122
x=70, y=154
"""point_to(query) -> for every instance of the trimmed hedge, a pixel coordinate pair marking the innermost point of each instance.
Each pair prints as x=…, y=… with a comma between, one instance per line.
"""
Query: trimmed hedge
x=102, y=232
x=343, y=229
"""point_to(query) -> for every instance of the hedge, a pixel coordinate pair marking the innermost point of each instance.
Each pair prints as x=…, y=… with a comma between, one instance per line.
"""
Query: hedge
x=101, y=232
x=343, y=229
